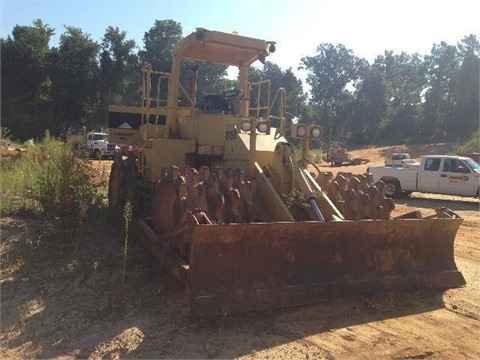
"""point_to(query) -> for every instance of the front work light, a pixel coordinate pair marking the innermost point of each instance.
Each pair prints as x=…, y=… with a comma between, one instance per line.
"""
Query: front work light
x=301, y=131
x=316, y=132
x=246, y=125
x=312, y=132
x=259, y=125
x=262, y=127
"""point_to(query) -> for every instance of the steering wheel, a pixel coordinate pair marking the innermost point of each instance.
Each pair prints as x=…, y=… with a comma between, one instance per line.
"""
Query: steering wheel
x=234, y=94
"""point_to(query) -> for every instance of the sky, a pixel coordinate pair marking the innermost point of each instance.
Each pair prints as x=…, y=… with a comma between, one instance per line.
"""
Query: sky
x=367, y=27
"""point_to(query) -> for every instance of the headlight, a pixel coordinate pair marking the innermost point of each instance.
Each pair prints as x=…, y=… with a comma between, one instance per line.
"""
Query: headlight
x=246, y=125
x=301, y=131
x=315, y=132
x=262, y=127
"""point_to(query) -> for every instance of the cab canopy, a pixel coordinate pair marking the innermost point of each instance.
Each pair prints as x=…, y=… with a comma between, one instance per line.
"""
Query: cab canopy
x=223, y=48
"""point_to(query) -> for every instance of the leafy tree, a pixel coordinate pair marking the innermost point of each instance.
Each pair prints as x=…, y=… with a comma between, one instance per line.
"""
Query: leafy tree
x=465, y=90
x=158, y=44
x=441, y=64
x=26, y=87
x=331, y=74
x=74, y=72
x=371, y=103
x=119, y=71
x=404, y=76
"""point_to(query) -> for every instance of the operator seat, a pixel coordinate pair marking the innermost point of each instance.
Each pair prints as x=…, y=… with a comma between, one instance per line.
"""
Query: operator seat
x=217, y=104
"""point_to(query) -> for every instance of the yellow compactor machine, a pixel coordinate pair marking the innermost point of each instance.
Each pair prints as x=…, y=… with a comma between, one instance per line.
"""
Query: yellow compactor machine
x=232, y=213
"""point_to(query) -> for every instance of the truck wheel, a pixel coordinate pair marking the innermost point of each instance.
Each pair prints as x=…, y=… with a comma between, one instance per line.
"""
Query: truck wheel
x=77, y=150
x=97, y=155
x=392, y=188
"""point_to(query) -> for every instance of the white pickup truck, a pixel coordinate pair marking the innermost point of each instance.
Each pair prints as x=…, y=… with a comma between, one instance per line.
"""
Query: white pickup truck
x=440, y=174
x=398, y=159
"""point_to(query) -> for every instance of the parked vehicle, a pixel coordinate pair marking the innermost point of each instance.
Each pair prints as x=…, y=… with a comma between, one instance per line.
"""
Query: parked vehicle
x=440, y=174
x=398, y=159
x=92, y=144
x=335, y=152
x=129, y=150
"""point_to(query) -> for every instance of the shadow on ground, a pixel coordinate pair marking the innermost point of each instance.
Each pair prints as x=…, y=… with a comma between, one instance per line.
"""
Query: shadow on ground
x=422, y=201
x=76, y=305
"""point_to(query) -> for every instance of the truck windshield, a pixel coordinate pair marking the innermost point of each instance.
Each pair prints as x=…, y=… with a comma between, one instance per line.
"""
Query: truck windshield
x=100, y=137
x=473, y=165
x=400, y=156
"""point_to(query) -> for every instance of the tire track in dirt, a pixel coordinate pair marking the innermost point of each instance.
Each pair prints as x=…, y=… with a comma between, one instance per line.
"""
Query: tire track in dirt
x=412, y=336
x=467, y=252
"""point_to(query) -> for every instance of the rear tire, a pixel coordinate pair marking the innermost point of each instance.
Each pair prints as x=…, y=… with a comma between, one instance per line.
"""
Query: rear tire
x=97, y=155
x=392, y=188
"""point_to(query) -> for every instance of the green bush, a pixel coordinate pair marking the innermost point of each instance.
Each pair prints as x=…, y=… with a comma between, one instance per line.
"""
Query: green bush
x=314, y=155
x=470, y=146
x=47, y=179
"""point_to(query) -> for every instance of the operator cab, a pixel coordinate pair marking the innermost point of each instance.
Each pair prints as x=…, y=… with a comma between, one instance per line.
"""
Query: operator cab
x=227, y=102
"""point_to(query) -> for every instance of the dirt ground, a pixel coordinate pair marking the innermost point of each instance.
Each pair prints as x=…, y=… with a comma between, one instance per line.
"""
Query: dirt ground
x=75, y=304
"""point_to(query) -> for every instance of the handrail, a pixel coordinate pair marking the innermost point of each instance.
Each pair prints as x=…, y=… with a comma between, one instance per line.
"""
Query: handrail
x=282, y=96
x=279, y=99
x=148, y=99
x=187, y=95
x=259, y=107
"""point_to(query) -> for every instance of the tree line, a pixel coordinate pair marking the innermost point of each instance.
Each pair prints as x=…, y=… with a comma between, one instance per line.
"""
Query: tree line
x=399, y=98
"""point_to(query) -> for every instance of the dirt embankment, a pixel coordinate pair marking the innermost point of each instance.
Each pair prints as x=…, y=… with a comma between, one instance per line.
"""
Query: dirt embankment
x=75, y=304
x=376, y=155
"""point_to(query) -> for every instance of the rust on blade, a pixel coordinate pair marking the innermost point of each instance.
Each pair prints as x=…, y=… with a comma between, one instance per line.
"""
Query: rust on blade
x=243, y=267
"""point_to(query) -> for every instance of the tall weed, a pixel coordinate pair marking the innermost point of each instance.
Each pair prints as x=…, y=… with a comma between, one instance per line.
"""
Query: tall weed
x=127, y=217
x=49, y=181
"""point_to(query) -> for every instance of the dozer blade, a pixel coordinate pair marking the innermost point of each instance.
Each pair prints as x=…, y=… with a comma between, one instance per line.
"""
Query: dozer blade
x=244, y=267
